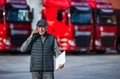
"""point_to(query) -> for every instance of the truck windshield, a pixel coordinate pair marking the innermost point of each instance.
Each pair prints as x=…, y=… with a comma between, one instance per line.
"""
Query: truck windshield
x=81, y=18
x=105, y=19
x=21, y=15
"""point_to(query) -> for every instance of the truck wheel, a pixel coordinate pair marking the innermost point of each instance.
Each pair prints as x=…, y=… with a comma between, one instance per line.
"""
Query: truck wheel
x=75, y=53
x=100, y=51
x=0, y=53
x=118, y=48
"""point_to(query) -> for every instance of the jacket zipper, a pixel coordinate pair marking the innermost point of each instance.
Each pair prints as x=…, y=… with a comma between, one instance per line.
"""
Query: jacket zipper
x=42, y=53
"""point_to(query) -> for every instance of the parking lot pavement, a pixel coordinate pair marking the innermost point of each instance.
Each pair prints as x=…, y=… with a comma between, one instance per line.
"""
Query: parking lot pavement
x=76, y=67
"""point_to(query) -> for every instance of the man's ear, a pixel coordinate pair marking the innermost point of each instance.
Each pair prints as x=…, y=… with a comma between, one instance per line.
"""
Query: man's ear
x=46, y=26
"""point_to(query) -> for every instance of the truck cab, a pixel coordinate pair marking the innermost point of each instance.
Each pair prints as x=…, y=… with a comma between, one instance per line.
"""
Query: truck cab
x=15, y=24
x=105, y=25
x=57, y=14
x=82, y=21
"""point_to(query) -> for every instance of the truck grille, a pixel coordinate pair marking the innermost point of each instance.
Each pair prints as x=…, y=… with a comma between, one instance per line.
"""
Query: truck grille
x=107, y=40
x=82, y=41
x=17, y=39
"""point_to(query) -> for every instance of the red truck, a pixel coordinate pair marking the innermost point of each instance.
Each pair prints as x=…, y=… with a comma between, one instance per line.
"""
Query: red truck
x=105, y=31
x=116, y=8
x=82, y=21
x=15, y=24
x=57, y=14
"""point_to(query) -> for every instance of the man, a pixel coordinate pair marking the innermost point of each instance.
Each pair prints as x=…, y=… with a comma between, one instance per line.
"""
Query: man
x=43, y=47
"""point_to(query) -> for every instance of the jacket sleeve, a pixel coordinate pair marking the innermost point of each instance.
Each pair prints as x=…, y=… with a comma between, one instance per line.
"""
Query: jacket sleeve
x=56, y=49
x=26, y=46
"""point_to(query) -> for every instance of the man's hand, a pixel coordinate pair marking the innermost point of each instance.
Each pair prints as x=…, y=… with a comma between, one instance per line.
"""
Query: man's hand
x=61, y=66
x=33, y=32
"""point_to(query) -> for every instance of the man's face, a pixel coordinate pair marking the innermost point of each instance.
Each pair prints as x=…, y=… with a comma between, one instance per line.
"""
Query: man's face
x=42, y=30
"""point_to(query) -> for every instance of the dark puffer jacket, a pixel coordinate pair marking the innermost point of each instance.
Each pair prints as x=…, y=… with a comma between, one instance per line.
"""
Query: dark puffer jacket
x=42, y=53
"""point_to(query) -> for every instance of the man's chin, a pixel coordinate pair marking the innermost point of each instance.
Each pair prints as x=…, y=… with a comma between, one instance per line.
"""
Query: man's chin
x=41, y=33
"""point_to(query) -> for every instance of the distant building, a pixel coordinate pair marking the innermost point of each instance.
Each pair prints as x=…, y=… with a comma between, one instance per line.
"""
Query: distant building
x=36, y=5
x=115, y=3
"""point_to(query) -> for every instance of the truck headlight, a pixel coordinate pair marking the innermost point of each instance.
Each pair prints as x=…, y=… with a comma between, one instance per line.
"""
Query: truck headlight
x=97, y=43
x=71, y=42
x=7, y=42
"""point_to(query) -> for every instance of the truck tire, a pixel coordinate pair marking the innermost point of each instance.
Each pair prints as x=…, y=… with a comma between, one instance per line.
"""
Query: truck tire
x=0, y=53
x=100, y=51
x=118, y=48
x=75, y=53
